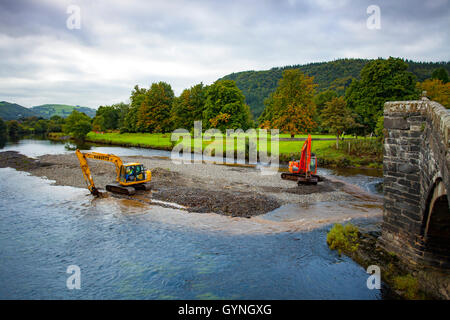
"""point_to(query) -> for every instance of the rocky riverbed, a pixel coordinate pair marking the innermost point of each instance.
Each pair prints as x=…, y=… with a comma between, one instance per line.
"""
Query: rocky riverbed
x=203, y=187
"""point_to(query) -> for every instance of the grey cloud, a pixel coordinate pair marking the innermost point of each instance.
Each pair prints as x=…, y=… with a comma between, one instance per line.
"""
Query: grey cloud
x=122, y=43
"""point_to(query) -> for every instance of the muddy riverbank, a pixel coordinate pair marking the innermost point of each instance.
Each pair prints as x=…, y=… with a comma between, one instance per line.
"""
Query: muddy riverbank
x=228, y=190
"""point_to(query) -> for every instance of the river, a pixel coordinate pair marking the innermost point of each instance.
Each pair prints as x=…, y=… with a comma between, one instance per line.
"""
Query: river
x=130, y=251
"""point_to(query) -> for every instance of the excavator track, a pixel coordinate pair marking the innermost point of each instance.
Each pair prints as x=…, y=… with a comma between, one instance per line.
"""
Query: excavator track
x=142, y=186
x=301, y=178
x=289, y=176
x=117, y=188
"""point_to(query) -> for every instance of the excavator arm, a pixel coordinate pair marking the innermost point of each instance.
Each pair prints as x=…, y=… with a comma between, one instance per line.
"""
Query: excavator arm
x=87, y=173
x=104, y=157
x=126, y=186
x=82, y=157
x=305, y=158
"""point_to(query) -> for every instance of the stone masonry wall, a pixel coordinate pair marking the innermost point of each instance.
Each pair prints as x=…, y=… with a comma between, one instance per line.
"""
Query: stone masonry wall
x=416, y=155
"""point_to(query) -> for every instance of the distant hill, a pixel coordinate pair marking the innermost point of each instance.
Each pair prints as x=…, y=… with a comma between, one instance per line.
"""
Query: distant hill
x=336, y=75
x=13, y=111
x=62, y=110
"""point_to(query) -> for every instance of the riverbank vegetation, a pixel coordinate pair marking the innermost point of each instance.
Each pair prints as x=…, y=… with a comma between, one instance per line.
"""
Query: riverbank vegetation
x=343, y=238
x=408, y=286
x=34, y=125
x=362, y=248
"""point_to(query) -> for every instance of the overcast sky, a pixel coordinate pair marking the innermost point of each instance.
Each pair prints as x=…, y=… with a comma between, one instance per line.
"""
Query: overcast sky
x=123, y=43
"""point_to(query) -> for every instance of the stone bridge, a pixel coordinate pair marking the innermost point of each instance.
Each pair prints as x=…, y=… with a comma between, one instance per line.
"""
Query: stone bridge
x=416, y=168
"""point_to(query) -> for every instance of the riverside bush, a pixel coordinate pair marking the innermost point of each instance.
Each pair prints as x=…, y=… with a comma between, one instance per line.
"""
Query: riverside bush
x=343, y=238
x=409, y=286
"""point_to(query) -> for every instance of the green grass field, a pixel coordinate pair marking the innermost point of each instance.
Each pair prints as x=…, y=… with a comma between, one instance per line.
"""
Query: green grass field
x=146, y=140
x=327, y=154
x=154, y=140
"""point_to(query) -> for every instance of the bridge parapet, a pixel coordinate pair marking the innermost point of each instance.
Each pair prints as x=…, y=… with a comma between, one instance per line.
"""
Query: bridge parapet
x=416, y=164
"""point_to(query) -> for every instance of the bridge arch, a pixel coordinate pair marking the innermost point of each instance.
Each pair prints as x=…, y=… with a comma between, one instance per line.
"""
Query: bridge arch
x=435, y=230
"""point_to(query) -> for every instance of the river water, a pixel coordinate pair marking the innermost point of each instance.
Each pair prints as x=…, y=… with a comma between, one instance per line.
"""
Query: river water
x=128, y=250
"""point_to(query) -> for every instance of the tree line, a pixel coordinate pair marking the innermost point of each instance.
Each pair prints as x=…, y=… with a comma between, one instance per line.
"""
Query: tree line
x=220, y=105
x=295, y=107
x=336, y=75
x=30, y=125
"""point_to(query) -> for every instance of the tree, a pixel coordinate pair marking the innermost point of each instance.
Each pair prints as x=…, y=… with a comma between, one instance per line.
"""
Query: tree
x=291, y=107
x=13, y=128
x=57, y=119
x=225, y=107
x=295, y=119
x=381, y=81
x=110, y=117
x=78, y=125
x=130, y=120
x=379, y=129
x=98, y=123
x=339, y=85
x=41, y=126
x=122, y=110
x=106, y=118
x=337, y=117
x=55, y=124
x=320, y=100
x=154, y=112
x=436, y=91
x=189, y=107
x=3, y=130
x=440, y=74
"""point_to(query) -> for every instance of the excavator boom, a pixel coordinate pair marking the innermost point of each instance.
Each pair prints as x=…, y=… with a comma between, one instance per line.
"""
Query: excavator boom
x=87, y=173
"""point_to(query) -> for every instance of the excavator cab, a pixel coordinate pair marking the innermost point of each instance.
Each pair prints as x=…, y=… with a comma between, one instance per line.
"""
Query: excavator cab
x=133, y=172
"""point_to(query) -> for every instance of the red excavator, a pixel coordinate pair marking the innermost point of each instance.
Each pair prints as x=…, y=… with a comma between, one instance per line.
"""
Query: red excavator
x=304, y=170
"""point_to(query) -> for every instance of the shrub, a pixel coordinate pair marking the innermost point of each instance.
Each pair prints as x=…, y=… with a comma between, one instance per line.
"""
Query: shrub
x=409, y=286
x=343, y=238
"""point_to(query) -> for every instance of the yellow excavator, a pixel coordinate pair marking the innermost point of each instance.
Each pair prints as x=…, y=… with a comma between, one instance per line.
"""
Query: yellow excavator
x=130, y=176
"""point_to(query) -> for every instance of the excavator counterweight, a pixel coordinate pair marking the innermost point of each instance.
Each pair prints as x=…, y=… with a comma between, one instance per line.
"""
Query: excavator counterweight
x=129, y=177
